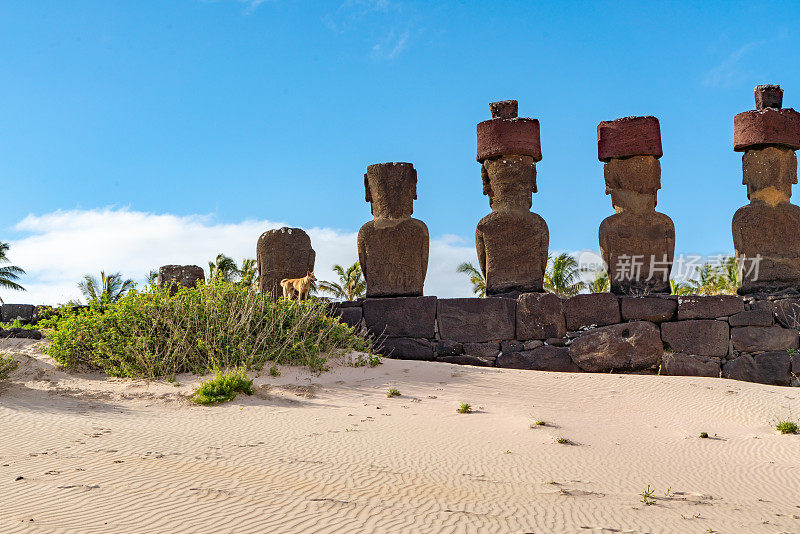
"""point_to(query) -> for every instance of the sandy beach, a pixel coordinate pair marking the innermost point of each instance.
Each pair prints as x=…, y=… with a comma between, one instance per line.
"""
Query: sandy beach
x=83, y=452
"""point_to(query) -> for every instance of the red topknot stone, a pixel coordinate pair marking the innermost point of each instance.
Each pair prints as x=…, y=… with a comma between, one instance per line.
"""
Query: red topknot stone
x=629, y=136
x=507, y=134
x=768, y=124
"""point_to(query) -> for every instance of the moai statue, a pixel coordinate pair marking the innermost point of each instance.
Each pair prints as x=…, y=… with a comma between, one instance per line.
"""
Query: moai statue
x=174, y=276
x=393, y=247
x=511, y=241
x=283, y=253
x=637, y=242
x=766, y=233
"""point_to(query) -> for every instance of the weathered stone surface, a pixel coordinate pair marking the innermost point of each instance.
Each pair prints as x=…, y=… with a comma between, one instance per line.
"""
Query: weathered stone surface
x=20, y=333
x=476, y=320
x=705, y=337
x=512, y=345
x=597, y=309
x=752, y=318
x=767, y=368
x=768, y=96
x=708, y=307
x=556, y=341
x=532, y=344
x=787, y=312
x=768, y=126
x=484, y=350
x=506, y=133
x=506, y=109
x=350, y=316
x=180, y=275
x=446, y=347
x=637, y=243
x=678, y=364
x=467, y=359
x=401, y=316
x=620, y=347
x=763, y=338
x=405, y=348
x=511, y=241
x=12, y=312
x=393, y=247
x=283, y=253
x=629, y=136
x=539, y=316
x=545, y=358
x=653, y=309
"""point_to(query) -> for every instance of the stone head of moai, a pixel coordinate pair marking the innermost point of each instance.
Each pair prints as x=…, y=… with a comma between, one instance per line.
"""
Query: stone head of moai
x=630, y=148
x=637, y=243
x=391, y=189
x=768, y=136
x=765, y=231
x=508, y=149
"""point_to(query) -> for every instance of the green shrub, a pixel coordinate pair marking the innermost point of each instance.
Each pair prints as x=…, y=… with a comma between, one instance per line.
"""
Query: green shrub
x=213, y=326
x=223, y=387
x=786, y=427
x=7, y=365
x=465, y=408
x=17, y=324
x=393, y=392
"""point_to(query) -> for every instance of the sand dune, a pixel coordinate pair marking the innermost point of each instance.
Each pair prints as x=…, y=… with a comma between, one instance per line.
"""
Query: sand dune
x=331, y=453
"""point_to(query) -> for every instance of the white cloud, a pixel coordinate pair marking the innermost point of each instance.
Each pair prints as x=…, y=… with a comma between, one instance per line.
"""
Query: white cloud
x=62, y=246
x=730, y=70
x=391, y=46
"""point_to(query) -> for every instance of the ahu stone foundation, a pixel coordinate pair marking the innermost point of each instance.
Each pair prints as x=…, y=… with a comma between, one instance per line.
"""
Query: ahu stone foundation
x=718, y=336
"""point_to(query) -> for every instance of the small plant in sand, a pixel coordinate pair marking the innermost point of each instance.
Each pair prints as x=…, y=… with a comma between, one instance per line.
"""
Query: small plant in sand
x=393, y=392
x=223, y=387
x=541, y=423
x=273, y=371
x=564, y=441
x=704, y=435
x=786, y=426
x=647, y=496
x=7, y=365
x=465, y=408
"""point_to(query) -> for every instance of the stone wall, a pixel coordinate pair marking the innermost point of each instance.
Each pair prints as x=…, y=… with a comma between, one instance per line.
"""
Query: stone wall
x=742, y=338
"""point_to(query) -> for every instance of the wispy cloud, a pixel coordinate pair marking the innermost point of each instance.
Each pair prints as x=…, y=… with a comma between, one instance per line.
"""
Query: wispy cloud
x=731, y=70
x=385, y=23
x=252, y=5
x=60, y=247
x=391, y=46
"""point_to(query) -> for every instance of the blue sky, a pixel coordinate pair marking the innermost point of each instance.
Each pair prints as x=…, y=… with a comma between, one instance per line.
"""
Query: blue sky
x=241, y=115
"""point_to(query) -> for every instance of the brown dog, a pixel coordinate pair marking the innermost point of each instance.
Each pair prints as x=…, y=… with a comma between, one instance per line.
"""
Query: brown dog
x=298, y=286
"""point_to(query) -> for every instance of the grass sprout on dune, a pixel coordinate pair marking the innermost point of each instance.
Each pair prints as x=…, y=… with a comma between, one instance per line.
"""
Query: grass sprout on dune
x=223, y=387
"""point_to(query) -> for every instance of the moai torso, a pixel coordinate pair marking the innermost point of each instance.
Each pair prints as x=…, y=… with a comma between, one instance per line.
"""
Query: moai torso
x=766, y=233
x=511, y=241
x=283, y=253
x=393, y=247
x=637, y=243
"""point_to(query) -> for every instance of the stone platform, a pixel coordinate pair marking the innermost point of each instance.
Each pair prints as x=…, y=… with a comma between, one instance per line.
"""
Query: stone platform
x=729, y=336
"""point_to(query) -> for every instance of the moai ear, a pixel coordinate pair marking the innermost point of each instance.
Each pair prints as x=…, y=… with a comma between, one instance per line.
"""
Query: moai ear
x=415, y=188
x=367, y=194
x=487, y=187
x=533, y=178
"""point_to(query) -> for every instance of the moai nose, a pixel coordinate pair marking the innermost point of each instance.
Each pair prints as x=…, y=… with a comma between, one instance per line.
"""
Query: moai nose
x=505, y=109
x=768, y=96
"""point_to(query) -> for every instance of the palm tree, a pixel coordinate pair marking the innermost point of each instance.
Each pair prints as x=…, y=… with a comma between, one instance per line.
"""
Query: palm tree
x=223, y=268
x=601, y=282
x=106, y=289
x=475, y=277
x=351, y=283
x=10, y=273
x=717, y=278
x=248, y=273
x=679, y=288
x=562, y=276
